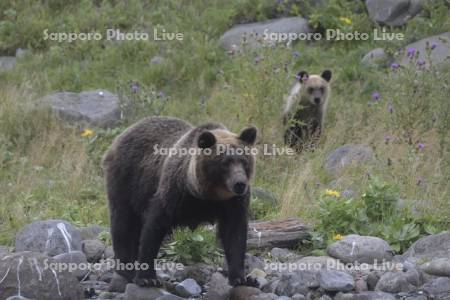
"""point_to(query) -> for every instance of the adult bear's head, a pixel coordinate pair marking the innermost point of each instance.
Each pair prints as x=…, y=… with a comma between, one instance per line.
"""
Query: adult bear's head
x=225, y=165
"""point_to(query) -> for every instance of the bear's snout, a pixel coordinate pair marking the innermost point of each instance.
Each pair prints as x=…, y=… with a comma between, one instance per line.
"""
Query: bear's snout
x=239, y=188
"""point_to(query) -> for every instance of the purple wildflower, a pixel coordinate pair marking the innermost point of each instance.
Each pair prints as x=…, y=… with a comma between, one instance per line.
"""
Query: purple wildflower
x=258, y=59
x=420, y=146
x=419, y=180
x=395, y=66
x=387, y=138
x=420, y=62
x=433, y=46
x=296, y=54
x=161, y=94
x=411, y=52
x=135, y=87
x=376, y=96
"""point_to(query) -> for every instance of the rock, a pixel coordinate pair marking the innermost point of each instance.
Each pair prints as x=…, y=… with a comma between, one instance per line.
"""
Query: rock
x=393, y=12
x=336, y=281
x=52, y=237
x=363, y=249
x=361, y=285
x=20, y=53
x=325, y=297
x=348, y=155
x=243, y=292
x=264, y=195
x=109, y=252
x=37, y=277
x=437, y=267
x=283, y=298
x=219, y=289
x=135, y=292
x=118, y=284
x=157, y=60
x=376, y=57
x=94, y=286
x=264, y=296
x=283, y=233
x=429, y=248
x=437, y=56
x=7, y=63
x=188, y=288
x=394, y=282
x=281, y=254
x=365, y=296
x=254, y=35
x=169, y=297
x=4, y=251
x=76, y=259
x=295, y=282
x=93, y=249
x=96, y=108
x=439, y=288
x=200, y=272
x=92, y=232
x=298, y=297
x=252, y=262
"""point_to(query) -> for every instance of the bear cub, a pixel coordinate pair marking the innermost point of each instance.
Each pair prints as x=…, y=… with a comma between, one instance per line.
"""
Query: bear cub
x=305, y=110
x=151, y=192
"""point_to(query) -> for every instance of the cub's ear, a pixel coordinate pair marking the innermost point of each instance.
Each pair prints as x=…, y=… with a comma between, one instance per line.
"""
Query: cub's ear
x=326, y=75
x=248, y=135
x=302, y=76
x=206, y=140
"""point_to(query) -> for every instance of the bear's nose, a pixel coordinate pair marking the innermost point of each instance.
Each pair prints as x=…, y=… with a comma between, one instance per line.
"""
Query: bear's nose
x=317, y=100
x=239, y=188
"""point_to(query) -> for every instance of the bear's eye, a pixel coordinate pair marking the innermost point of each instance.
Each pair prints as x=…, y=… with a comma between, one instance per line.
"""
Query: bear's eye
x=322, y=89
x=310, y=90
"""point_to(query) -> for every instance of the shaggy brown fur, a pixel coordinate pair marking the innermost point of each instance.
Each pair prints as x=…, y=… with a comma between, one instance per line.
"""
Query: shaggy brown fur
x=150, y=193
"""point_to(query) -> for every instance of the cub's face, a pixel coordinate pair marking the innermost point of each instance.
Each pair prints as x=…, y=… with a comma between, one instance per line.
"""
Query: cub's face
x=226, y=165
x=315, y=88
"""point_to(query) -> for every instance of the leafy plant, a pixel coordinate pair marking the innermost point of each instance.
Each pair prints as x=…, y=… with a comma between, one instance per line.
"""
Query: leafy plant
x=190, y=247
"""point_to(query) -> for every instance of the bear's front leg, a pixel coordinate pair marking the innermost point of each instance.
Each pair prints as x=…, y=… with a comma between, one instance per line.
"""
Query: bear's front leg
x=233, y=228
x=153, y=232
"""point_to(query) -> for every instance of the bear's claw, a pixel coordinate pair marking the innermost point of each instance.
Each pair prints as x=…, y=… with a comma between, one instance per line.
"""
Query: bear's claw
x=147, y=282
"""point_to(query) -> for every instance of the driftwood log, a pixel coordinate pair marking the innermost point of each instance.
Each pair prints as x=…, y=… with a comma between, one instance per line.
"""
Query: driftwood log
x=284, y=233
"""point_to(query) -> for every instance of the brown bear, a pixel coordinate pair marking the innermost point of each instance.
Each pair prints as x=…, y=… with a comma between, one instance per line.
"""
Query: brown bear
x=305, y=110
x=150, y=192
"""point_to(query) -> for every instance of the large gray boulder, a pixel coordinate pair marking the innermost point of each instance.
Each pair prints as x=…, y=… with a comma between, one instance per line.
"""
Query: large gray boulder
x=437, y=267
x=393, y=12
x=7, y=63
x=438, y=288
x=51, y=237
x=219, y=289
x=33, y=275
x=347, y=155
x=96, y=108
x=74, y=258
x=437, y=56
x=429, y=248
x=336, y=281
x=376, y=57
x=362, y=249
x=254, y=35
x=396, y=282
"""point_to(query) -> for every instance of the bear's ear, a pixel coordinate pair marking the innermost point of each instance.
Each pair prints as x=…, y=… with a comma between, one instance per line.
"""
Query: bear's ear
x=206, y=140
x=326, y=75
x=248, y=135
x=302, y=76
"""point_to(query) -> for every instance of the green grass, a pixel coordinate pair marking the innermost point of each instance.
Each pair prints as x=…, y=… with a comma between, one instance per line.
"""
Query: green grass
x=47, y=170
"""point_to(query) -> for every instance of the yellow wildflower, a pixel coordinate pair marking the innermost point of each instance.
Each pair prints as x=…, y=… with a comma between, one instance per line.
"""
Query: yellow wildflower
x=337, y=237
x=346, y=21
x=332, y=193
x=87, y=133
